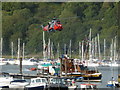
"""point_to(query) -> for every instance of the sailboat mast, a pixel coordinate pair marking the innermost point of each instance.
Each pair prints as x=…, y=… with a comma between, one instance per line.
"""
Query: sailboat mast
x=99, y=47
x=70, y=49
x=90, y=46
x=96, y=47
x=44, y=52
x=82, y=51
x=49, y=49
x=18, y=49
x=1, y=46
x=104, y=49
x=12, y=49
x=115, y=49
x=23, y=51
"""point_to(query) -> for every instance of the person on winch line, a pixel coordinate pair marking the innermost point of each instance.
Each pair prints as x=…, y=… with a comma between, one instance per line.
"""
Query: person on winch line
x=52, y=23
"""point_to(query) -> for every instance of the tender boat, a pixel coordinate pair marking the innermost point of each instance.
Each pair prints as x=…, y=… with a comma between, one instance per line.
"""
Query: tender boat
x=112, y=83
x=37, y=84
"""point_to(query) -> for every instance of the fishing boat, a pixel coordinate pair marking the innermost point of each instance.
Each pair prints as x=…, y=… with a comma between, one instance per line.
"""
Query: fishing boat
x=37, y=84
x=69, y=68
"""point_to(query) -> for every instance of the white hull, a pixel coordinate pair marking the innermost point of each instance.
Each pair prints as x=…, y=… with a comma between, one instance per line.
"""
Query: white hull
x=25, y=62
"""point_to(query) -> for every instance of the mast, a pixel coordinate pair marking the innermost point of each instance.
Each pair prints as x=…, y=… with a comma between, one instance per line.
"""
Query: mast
x=23, y=51
x=18, y=58
x=70, y=49
x=12, y=49
x=111, y=50
x=52, y=55
x=93, y=49
x=80, y=50
x=1, y=46
x=44, y=52
x=90, y=46
x=104, y=49
x=115, y=49
x=99, y=47
x=49, y=49
x=96, y=47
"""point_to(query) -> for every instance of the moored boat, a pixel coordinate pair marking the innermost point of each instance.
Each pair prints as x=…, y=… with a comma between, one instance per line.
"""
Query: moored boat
x=18, y=84
x=88, y=86
x=69, y=68
x=37, y=84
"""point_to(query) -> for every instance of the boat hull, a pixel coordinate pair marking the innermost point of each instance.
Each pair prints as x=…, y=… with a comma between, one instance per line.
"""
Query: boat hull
x=88, y=76
x=35, y=88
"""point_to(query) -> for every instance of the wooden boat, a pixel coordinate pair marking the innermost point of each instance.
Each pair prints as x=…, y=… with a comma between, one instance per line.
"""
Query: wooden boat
x=69, y=68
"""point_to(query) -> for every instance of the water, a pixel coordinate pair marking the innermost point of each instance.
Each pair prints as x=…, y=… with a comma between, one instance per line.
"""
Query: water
x=107, y=73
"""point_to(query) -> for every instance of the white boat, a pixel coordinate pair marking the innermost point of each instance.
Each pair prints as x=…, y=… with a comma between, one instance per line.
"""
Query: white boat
x=11, y=61
x=5, y=81
x=37, y=83
x=112, y=83
x=26, y=62
x=88, y=86
x=18, y=84
x=3, y=61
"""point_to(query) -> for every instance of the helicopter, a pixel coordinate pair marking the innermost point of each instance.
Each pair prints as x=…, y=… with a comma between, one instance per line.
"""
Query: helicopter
x=53, y=26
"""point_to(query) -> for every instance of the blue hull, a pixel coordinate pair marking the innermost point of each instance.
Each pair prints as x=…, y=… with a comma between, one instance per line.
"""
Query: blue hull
x=110, y=85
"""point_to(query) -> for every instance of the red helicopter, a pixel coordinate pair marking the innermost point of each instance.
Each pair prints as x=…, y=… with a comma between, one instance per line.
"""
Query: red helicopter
x=54, y=25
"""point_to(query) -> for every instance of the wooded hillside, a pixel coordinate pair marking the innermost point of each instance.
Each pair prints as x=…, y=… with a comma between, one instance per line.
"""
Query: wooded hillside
x=24, y=19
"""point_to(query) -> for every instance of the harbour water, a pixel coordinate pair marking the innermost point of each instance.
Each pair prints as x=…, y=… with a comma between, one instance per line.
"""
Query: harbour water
x=107, y=73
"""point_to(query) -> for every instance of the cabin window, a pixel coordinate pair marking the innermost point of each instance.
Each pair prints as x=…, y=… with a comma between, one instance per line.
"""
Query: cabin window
x=33, y=81
x=43, y=80
x=38, y=80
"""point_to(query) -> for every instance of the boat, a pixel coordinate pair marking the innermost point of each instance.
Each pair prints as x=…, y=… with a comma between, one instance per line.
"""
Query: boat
x=5, y=80
x=37, y=84
x=57, y=83
x=18, y=84
x=112, y=83
x=3, y=61
x=69, y=68
x=26, y=62
x=51, y=68
x=88, y=86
